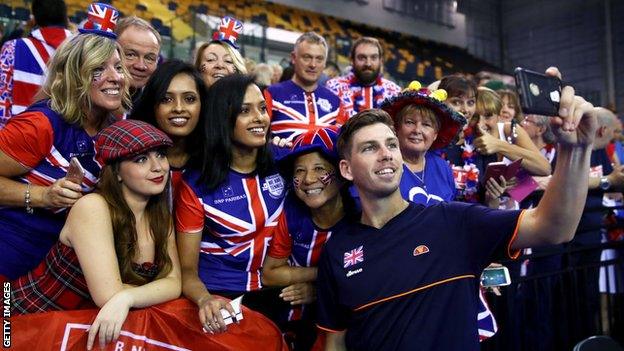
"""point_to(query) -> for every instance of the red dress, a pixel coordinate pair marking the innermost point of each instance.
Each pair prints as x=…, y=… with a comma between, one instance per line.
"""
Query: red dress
x=56, y=284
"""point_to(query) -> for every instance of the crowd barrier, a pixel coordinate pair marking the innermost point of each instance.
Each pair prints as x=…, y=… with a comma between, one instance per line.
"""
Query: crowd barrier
x=170, y=326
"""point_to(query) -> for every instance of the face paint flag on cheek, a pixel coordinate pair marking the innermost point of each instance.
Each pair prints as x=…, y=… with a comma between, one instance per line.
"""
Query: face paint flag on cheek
x=327, y=178
x=296, y=182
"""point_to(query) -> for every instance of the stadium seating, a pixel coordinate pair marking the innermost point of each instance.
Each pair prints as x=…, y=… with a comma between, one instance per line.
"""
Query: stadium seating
x=406, y=58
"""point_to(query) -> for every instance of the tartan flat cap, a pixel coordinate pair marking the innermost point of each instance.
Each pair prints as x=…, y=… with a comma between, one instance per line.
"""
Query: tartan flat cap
x=126, y=138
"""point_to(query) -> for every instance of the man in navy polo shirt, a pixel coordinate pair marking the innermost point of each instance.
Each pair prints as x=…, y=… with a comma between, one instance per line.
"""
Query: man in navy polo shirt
x=406, y=277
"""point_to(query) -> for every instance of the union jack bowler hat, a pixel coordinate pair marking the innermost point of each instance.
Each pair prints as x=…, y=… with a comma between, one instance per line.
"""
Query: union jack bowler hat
x=322, y=140
x=228, y=31
x=127, y=138
x=101, y=20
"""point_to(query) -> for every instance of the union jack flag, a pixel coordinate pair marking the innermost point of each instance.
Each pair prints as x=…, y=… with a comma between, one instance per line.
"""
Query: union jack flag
x=229, y=30
x=354, y=256
x=322, y=136
x=102, y=17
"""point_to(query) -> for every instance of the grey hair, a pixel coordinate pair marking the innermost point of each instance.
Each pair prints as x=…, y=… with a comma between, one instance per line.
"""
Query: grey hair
x=544, y=121
x=314, y=38
x=134, y=21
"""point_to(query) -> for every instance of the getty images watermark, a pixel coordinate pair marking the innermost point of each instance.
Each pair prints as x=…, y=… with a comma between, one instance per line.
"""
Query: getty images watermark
x=6, y=315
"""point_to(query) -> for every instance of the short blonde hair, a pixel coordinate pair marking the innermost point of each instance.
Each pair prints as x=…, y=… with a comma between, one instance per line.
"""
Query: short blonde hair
x=488, y=102
x=237, y=58
x=70, y=75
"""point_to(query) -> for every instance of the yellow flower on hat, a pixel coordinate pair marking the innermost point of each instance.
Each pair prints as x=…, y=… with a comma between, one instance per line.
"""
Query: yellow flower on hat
x=439, y=95
x=414, y=85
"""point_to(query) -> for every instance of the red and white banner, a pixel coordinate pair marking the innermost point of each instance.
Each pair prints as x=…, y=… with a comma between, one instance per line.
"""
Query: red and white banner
x=170, y=326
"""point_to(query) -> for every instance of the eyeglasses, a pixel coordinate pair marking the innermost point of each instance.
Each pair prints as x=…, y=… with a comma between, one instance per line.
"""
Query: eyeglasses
x=528, y=121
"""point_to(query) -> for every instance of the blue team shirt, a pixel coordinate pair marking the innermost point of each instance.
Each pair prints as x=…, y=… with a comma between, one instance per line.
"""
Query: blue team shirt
x=438, y=185
x=412, y=285
x=237, y=220
x=295, y=111
x=27, y=238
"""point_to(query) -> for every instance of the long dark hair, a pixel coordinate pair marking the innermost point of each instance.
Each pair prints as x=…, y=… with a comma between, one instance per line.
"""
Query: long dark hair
x=457, y=85
x=124, y=226
x=213, y=157
x=156, y=89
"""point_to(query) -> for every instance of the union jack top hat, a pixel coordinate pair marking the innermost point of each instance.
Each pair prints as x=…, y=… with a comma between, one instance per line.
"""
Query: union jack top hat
x=228, y=31
x=322, y=140
x=101, y=20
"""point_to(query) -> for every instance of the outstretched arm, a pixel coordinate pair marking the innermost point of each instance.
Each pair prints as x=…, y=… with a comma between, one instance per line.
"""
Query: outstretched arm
x=335, y=341
x=558, y=214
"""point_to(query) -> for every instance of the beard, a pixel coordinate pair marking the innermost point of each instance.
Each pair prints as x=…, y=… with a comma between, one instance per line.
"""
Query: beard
x=366, y=75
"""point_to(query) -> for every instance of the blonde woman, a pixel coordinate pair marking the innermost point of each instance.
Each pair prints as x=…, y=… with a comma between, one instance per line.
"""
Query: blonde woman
x=86, y=84
x=220, y=57
x=507, y=140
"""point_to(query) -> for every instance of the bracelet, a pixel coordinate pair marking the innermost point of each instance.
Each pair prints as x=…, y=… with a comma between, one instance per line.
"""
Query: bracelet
x=29, y=209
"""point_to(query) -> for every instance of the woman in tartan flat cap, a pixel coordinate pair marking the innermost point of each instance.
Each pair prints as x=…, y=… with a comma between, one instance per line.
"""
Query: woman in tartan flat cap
x=117, y=249
x=86, y=87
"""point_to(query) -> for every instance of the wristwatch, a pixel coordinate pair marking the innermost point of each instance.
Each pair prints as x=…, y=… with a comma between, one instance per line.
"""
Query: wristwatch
x=604, y=183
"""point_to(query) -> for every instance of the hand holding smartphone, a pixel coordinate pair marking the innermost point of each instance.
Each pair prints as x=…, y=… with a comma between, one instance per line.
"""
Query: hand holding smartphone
x=539, y=94
x=495, y=276
x=75, y=172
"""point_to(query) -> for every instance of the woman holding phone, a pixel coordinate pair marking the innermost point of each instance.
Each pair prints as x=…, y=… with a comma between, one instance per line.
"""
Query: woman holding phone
x=86, y=86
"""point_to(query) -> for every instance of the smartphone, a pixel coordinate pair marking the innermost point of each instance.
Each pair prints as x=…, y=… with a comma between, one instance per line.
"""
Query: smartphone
x=75, y=172
x=496, y=276
x=539, y=94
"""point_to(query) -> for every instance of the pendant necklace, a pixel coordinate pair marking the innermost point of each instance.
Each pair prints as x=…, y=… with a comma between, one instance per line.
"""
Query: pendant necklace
x=422, y=179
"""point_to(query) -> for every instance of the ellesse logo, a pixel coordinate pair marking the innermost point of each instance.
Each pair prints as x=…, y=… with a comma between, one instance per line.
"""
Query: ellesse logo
x=420, y=249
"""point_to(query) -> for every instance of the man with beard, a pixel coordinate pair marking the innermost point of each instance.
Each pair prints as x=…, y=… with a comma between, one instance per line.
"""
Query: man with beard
x=364, y=87
x=300, y=104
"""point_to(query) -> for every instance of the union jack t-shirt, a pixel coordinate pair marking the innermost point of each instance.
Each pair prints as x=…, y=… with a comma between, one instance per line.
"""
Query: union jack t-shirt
x=237, y=221
x=295, y=111
x=300, y=240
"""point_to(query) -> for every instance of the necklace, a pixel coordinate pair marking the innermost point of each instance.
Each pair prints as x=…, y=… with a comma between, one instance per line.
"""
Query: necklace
x=422, y=178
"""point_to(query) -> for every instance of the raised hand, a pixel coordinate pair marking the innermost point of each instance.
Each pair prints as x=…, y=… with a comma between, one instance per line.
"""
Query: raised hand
x=576, y=124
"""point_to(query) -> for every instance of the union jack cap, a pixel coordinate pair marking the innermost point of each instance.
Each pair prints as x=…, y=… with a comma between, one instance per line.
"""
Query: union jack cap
x=101, y=20
x=322, y=140
x=127, y=138
x=228, y=31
